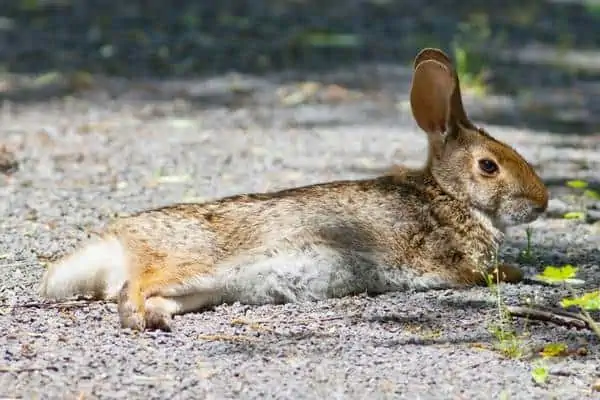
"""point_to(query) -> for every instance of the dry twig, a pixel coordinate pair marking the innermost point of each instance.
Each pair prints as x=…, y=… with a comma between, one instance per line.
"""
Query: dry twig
x=555, y=316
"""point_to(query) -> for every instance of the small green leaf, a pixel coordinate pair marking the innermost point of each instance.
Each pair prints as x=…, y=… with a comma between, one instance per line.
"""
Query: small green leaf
x=592, y=194
x=577, y=184
x=589, y=301
x=554, y=350
x=557, y=274
x=574, y=215
x=48, y=78
x=539, y=375
x=29, y=5
x=461, y=57
x=319, y=39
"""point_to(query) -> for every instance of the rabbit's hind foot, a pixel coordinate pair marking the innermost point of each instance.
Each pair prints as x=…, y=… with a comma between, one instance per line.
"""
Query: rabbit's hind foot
x=131, y=308
x=158, y=311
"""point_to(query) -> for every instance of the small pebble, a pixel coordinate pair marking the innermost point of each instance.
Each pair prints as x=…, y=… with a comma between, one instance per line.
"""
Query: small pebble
x=592, y=216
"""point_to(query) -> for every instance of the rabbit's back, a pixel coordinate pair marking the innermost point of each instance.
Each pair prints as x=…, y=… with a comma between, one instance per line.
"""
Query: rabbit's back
x=362, y=216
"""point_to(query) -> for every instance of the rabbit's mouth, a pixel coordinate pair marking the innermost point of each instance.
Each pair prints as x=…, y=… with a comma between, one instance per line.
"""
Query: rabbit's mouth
x=519, y=211
x=511, y=213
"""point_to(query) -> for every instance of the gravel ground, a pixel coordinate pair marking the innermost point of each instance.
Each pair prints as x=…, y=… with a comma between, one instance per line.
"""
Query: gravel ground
x=119, y=148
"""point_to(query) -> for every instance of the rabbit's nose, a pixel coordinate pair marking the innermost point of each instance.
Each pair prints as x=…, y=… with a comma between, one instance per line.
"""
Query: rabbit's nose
x=539, y=199
x=538, y=205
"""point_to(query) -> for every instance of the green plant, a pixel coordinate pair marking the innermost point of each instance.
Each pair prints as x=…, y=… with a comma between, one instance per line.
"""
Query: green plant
x=586, y=302
x=527, y=254
x=471, y=37
x=582, y=192
x=504, y=395
x=508, y=343
x=540, y=373
x=554, y=350
x=469, y=78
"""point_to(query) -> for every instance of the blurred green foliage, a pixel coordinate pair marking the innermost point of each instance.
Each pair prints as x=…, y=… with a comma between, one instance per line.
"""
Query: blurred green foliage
x=186, y=37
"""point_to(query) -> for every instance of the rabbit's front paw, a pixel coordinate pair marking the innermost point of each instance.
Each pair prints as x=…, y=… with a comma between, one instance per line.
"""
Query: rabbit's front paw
x=505, y=273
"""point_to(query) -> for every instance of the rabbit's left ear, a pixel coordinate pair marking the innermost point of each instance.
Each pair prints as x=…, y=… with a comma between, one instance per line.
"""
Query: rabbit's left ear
x=458, y=116
x=432, y=88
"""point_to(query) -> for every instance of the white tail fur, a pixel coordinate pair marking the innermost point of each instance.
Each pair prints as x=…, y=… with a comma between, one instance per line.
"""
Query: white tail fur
x=99, y=268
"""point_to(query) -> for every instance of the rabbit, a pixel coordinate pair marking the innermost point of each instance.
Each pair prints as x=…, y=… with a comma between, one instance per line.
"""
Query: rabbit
x=433, y=227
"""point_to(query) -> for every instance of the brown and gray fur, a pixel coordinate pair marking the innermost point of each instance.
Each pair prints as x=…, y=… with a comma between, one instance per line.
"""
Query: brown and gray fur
x=434, y=227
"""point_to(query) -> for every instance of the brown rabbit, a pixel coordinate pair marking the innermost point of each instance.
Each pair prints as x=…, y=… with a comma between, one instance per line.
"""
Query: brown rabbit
x=434, y=227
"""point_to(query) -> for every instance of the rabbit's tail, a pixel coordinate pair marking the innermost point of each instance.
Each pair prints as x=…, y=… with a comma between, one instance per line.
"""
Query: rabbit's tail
x=100, y=268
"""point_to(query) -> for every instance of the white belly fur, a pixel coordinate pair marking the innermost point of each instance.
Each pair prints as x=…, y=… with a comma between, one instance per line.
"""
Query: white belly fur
x=312, y=274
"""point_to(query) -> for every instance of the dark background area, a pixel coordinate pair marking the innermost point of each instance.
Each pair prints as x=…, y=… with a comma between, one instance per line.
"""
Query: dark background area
x=542, y=55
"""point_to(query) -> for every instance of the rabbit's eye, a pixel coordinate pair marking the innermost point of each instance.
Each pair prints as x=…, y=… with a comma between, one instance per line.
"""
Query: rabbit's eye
x=488, y=166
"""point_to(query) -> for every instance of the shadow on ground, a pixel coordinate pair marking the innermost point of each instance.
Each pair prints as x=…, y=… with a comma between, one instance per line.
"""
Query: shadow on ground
x=539, y=58
x=406, y=329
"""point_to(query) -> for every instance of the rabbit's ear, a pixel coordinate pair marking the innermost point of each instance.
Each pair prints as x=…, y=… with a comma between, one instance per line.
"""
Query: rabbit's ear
x=430, y=94
x=432, y=54
x=458, y=116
